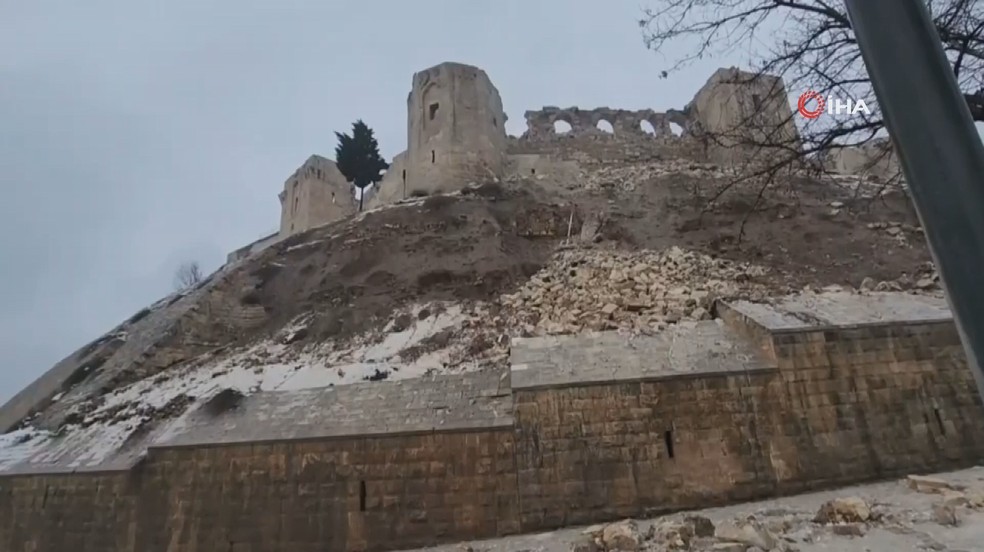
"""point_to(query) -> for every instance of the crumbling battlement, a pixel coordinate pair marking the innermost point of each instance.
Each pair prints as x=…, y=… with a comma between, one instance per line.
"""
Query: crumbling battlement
x=456, y=137
x=769, y=399
x=625, y=124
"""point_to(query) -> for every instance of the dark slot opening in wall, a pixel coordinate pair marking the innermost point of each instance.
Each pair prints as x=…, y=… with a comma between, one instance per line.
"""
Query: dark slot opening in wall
x=668, y=439
x=939, y=420
x=756, y=102
x=404, y=175
x=432, y=110
x=433, y=156
x=532, y=171
x=362, y=496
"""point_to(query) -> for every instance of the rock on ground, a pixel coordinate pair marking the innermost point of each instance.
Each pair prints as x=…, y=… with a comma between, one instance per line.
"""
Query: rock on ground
x=889, y=517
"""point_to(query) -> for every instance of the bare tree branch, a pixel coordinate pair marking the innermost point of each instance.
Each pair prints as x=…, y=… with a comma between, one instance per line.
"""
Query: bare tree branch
x=811, y=46
x=187, y=276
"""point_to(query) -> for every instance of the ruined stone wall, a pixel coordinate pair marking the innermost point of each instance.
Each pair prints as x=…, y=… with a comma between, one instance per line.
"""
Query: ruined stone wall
x=534, y=165
x=743, y=110
x=393, y=186
x=255, y=247
x=875, y=158
x=637, y=136
x=456, y=132
x=316, y=194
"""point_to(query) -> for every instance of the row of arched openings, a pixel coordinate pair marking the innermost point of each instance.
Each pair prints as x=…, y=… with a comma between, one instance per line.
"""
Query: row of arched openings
x=563, y=127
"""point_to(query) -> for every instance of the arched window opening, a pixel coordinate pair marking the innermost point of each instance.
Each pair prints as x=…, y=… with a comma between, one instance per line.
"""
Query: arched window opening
x=648, y=128
x=605, y=127
x=562, y=127
x=676, y=129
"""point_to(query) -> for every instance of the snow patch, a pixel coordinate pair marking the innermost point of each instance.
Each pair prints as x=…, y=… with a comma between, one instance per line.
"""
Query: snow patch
x=272, y=365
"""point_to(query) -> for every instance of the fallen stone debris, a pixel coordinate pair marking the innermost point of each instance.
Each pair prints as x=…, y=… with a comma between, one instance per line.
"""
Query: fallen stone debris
x=644, y=291
x=918, y=513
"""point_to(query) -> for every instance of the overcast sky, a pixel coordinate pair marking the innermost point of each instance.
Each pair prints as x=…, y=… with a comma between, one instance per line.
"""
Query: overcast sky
x=135, y=135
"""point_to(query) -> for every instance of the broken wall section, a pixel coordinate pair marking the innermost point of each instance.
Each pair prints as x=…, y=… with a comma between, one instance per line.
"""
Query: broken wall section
x=744, y=117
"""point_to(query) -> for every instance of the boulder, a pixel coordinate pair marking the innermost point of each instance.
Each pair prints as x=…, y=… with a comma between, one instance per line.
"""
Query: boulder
x=622, y=536
x=843, y=510
x=946, y=514
x=930, y=485
x=748, y=533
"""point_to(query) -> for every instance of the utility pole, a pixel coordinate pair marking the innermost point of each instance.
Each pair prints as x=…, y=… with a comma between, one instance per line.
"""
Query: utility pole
x=940, y=151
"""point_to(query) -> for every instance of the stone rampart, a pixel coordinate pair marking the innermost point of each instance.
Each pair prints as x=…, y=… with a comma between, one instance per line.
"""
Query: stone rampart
x=579, y=430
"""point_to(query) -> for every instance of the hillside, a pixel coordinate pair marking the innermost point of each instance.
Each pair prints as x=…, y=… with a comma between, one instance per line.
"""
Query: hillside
x=439, y=284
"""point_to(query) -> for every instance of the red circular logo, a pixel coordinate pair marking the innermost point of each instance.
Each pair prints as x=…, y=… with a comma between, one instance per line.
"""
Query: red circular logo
x=805, y=98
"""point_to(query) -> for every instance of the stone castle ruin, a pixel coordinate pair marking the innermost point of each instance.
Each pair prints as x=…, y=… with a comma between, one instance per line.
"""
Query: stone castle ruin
x=456, y=136
x=251, y=413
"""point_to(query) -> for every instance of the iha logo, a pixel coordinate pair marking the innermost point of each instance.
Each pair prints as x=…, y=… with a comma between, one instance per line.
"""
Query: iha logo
x=811, y=104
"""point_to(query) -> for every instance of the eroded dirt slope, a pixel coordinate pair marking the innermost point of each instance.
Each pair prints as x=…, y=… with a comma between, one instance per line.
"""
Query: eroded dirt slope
x=378, y=273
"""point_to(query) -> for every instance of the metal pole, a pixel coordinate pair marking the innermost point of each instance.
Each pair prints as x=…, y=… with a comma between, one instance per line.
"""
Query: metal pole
x=940, y=151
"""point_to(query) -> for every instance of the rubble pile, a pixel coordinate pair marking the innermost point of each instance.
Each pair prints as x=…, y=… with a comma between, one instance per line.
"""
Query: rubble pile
x=643, y=291
x=627, y=177
x=786, y=529
x=924, y=279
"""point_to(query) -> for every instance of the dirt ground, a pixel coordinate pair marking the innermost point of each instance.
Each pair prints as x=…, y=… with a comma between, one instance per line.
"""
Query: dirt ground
x=490, y=240
x=350, y=278
x=906, y=522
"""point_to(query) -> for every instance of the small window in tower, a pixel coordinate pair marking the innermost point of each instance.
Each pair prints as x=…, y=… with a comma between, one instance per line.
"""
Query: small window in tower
x=495, y=122
x=333, y=198
x=433, y=157
x=432, y=110
x=757, y=102
x=404, y=175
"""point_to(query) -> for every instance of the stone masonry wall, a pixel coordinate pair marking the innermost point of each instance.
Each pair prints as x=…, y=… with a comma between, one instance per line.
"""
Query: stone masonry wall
x=873, y=401
x=843, y=405
x=334, y=494
x=601, y=452
x=77, y=512
x=835, y=406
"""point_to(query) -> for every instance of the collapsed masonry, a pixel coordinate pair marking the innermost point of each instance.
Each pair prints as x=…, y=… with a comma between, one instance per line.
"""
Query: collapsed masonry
x=766, y=399
x=456, y=136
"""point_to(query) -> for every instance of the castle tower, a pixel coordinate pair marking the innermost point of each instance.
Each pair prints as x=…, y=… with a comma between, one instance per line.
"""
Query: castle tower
x=316, y=194
x=740, y=109
x=455, y=129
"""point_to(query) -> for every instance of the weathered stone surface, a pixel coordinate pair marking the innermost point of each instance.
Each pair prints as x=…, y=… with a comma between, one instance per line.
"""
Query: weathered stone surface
x=748, y=533
x=925, y=484
x=844, y=510
x=622, y=536
x=946, y=514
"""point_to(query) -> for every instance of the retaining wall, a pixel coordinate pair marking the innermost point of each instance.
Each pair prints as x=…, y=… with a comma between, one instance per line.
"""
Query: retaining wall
x=806, y=409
